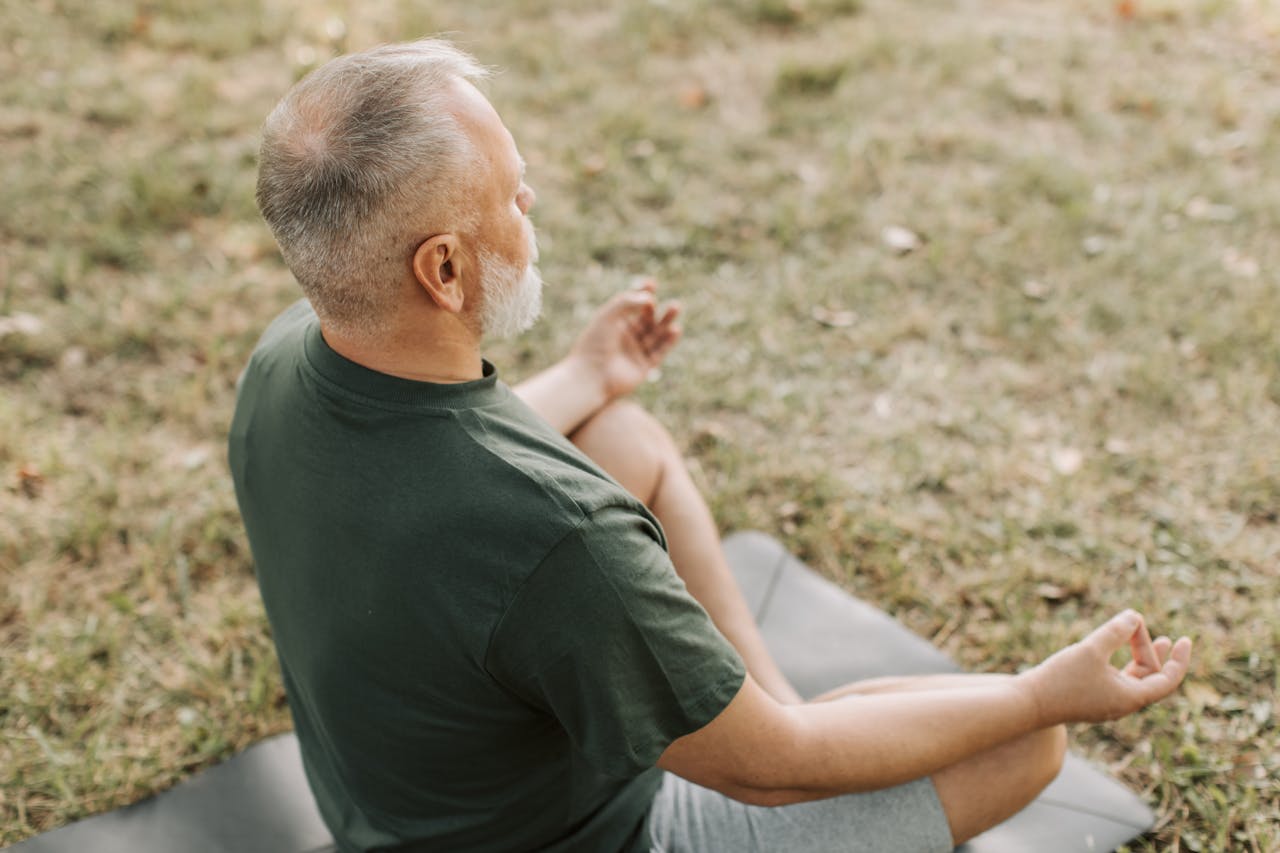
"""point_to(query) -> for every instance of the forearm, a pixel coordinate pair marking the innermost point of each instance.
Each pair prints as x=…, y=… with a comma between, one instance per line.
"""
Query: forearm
x=764, y=753
x=566, y=394
x=912, y=683
x=868, y=742
x=769, y=754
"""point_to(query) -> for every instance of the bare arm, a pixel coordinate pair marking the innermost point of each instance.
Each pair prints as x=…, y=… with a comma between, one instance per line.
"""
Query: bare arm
x=761, y=752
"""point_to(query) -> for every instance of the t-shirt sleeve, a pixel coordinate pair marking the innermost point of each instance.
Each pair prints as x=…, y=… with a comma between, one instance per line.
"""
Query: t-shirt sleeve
x=605, y=638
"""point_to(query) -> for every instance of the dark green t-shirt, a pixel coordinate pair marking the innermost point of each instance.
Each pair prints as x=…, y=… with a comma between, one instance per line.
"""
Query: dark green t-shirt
x=483, y=641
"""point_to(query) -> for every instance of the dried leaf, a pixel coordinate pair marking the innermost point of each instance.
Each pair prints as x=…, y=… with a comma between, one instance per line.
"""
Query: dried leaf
x=1066, y=460
x=1239, y=264
x=1117, y=446
x=1201, y=695
x=21, y=324
x=790, y=509
x=1053, y=592
x=834, y=319
x=30, y=480
x=1035, y=289
x=195, y=457
x=1203, y=210
x=693, y=96
x=899, y=239
x=1093, y=245
x=74, y=359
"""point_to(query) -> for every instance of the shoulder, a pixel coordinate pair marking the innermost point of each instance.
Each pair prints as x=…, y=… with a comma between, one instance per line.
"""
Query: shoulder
x=613, y=558
x=283, y=338
x=526, y=448
x=287, y=329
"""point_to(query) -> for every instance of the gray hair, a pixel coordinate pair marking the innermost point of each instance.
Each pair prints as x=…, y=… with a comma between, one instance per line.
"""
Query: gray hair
x=357, y=159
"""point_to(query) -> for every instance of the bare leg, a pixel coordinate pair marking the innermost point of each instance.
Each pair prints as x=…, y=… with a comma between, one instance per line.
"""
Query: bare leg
x=992, y=786
x=637, y=451
x=633, y=447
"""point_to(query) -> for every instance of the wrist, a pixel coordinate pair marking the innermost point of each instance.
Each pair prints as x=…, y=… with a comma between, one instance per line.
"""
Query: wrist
x=589, y=378
x=1031, y=685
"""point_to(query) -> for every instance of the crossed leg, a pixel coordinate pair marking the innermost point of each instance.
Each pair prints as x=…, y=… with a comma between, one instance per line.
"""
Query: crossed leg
x=628, y=443
x=990, y=787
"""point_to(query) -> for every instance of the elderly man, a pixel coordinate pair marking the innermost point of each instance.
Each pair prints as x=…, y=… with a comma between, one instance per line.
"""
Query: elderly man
x=496, y=638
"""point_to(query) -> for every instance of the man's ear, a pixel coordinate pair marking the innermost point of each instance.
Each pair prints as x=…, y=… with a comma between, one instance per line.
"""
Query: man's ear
x=435, y=266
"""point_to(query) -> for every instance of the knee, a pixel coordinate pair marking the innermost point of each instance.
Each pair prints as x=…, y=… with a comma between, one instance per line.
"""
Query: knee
x=991, y=787
x=1049, y=750
x=624, y=425
x=630, y=444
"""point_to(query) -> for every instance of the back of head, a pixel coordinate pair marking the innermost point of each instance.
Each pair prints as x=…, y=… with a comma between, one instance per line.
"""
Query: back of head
x=357, y=161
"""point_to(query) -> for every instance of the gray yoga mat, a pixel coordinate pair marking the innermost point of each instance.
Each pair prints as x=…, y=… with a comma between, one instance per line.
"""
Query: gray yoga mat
x=823, y=637
x=258, y=801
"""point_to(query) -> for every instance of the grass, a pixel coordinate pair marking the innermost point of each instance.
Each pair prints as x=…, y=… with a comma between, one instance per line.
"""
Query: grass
x=1064, y=401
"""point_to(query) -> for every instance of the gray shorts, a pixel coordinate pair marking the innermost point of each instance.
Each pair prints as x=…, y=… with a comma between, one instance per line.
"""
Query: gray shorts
x=687, y=818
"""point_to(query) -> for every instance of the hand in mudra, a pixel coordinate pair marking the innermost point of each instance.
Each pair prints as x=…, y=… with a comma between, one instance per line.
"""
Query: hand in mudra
x=1079, y=683
x=627, y=338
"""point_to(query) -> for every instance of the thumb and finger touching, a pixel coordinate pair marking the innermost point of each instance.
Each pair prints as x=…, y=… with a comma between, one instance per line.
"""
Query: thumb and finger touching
x=1160, y=647
x=1109, y=637
x=1144, y=653
x=1156, y=670
x=1155, y=685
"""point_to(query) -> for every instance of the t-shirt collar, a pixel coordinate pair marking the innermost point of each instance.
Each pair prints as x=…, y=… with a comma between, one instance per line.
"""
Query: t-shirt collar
x=366, y=382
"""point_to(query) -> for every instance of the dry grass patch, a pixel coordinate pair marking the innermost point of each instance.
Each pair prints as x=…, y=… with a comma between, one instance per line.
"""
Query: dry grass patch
x=1055, y=391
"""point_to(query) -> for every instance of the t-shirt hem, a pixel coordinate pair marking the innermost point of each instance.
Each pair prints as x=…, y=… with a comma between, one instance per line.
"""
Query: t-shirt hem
x=709, y=705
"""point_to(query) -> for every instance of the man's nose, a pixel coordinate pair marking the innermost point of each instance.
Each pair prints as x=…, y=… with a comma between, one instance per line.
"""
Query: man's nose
x=526, y=198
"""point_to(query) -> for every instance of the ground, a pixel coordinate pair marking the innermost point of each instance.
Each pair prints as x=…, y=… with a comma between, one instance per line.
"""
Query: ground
x=981, y=307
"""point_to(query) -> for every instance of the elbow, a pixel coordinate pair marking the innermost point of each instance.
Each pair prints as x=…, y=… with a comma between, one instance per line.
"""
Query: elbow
x=756, y=752
x=748, y=789
x=756, y=794
x=765, y=777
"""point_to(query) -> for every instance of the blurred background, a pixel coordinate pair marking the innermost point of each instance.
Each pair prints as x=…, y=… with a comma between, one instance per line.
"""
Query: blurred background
x=981, y=320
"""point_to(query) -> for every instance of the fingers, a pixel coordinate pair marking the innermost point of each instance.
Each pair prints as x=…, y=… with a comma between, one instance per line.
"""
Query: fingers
x=646, y=329
x=1180, y=656
x=655, y=327
x=1162, y=682
x=663, y=334
x=632, y=301
x=666, y=327
x=1111, y=636
x=642, y=294
x=661, y=344
x=1160, y=646
x=670, y=312
x=1140, y=646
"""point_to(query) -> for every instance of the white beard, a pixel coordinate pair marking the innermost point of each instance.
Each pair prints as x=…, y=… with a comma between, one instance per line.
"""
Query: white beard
x=512, y=296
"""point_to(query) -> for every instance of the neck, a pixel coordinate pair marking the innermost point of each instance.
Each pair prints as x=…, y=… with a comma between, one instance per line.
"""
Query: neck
x=449, y=353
